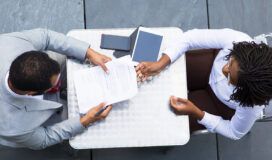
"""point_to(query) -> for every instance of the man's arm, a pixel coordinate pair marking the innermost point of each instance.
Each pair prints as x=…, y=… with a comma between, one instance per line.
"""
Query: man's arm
x=43, y=137
x=44, y=39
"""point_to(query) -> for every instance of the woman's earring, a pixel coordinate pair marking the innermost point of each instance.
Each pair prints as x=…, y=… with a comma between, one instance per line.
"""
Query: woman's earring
x=228, y=79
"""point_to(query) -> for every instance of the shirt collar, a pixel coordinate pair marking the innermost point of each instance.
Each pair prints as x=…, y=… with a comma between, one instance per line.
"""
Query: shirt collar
x=24, y=102
x=18, y=95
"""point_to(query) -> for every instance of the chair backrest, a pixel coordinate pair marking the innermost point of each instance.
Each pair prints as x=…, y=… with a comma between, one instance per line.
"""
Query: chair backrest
x=195, y=73
x=265, y=38
x=198, y=66
x=268, y=110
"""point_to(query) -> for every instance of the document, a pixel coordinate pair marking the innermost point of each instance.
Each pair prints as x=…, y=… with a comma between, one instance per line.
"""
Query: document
x=93, y=86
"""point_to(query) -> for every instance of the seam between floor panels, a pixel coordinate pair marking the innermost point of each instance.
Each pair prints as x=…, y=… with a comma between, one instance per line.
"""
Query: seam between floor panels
x=84, y=14
x=208, y=13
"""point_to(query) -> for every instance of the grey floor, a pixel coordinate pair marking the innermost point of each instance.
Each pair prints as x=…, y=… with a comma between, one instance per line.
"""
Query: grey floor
x=250, y=16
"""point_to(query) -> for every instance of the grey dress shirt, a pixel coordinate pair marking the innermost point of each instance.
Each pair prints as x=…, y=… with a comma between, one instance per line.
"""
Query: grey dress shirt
x=22, y=119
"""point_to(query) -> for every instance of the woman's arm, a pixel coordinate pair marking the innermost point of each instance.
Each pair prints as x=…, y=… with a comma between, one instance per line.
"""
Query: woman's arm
x=204, y=39
x=239, y=125
x=192, y=39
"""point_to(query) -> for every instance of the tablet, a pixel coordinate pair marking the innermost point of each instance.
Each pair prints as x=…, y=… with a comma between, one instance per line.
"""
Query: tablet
x=146, y=46
x=115, y=42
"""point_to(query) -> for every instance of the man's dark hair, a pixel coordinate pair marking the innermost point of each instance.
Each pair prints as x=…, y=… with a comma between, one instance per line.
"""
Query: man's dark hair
x=32, y=71
x=254, y=86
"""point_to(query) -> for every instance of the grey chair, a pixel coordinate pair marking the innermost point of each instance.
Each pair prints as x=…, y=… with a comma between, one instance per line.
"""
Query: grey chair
x=267, y=112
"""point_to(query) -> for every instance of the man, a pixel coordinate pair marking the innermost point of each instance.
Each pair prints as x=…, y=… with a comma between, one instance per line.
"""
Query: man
x=240, y=78
x=26, y=73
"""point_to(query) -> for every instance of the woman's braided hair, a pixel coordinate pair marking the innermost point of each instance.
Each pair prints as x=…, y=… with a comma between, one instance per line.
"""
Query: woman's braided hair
x=254, y=86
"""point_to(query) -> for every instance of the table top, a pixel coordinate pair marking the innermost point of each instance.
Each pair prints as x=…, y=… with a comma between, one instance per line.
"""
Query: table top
x=146, y=119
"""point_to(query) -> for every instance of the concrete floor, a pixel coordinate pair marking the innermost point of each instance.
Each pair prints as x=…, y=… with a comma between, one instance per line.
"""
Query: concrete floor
x=250, y=16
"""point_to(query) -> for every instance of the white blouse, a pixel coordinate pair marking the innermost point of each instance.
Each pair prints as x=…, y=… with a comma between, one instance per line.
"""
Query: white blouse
x=223, y=39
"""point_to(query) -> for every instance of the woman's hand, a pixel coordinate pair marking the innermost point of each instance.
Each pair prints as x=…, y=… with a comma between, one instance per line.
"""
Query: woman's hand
x=98, y=59
x=185, y=107
x=147, y=69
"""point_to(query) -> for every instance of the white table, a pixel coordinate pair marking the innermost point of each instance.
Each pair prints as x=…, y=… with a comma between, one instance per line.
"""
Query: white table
x=146, y=119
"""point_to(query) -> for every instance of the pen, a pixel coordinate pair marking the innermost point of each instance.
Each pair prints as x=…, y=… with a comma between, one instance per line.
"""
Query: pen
x=101, y=110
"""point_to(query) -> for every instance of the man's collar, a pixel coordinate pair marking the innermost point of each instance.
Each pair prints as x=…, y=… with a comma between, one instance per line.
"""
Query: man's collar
x=25, y=102
x=12, y=92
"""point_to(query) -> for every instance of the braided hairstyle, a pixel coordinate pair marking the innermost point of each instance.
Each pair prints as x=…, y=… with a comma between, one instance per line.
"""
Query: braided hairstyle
x=254, y=85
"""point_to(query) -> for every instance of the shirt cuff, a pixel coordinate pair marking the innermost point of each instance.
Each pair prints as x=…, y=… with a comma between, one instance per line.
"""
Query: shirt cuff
x=79, y=49
x=76, y=126
x=172, y=53
x=210, y=121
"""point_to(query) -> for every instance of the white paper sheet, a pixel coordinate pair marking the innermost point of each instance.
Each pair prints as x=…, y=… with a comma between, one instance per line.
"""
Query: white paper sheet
x=93, y=86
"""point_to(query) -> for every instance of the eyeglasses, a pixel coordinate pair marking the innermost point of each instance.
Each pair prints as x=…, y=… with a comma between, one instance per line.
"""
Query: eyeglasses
x=57, y=81
x=53, y=89
x=56, y=86
x=228, y=65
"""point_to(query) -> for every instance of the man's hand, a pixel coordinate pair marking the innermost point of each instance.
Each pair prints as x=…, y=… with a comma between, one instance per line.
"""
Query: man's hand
x=98, y=59
x=146, y=69
x=185, y=107
x=90, y=117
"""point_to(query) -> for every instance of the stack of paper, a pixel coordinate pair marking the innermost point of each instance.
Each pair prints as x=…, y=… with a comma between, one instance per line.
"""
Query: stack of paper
x=93, y=86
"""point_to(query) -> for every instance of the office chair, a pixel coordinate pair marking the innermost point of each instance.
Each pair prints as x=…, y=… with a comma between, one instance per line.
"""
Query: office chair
x=198, y=66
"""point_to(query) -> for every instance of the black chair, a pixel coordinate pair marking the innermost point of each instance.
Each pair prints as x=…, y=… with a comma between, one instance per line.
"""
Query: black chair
x=199, y=64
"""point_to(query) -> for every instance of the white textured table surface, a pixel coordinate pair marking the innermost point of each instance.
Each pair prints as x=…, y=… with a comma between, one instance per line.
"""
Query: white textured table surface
x=146, y=119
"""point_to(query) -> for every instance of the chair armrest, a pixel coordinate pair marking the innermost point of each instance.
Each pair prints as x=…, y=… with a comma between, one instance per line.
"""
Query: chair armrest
x=200, y=132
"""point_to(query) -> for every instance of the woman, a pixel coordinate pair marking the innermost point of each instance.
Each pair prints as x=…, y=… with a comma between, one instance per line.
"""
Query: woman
x=241, y=78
